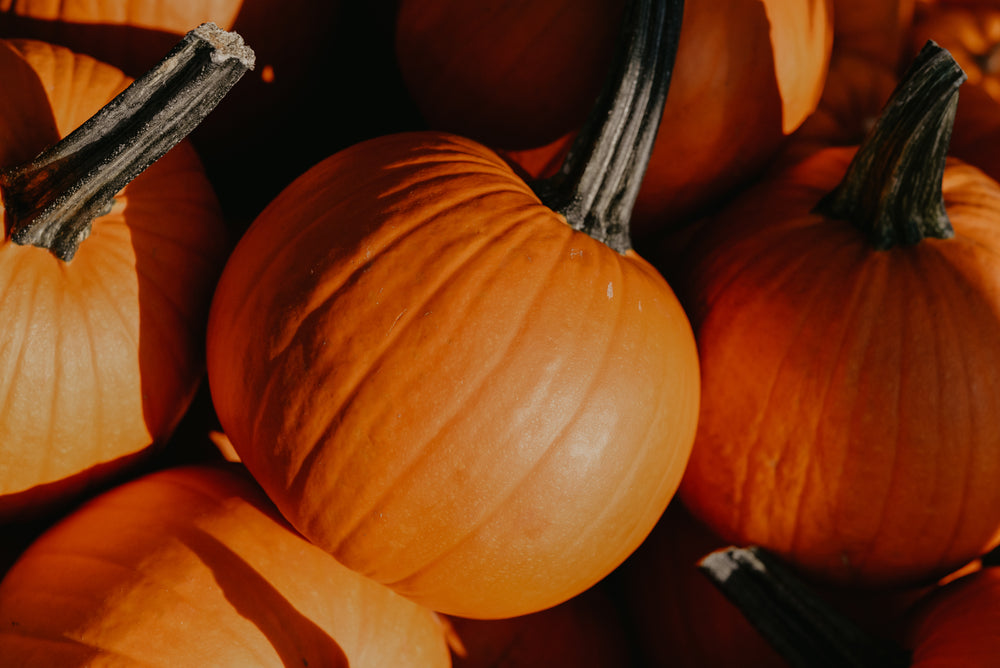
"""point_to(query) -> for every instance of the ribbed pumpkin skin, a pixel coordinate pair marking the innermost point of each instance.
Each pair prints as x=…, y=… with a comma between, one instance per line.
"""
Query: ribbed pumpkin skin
x=444, y=385
x=101, y=356
x=849, y=395
x=194, y=567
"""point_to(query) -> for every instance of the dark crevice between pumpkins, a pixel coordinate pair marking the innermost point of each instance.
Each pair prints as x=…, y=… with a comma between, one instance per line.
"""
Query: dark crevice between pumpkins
x=803, y=628
x=596, y=187
x=52, y=201
x=892, y=189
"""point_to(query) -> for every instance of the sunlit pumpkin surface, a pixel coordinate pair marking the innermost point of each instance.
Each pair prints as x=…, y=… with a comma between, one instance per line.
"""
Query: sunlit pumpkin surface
x=441, y=382
x=99, y=357
x=194, y=567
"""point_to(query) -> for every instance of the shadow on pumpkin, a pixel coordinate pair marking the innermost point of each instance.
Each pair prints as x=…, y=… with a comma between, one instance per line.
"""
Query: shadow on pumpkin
x=324, y=78
x=297, y=640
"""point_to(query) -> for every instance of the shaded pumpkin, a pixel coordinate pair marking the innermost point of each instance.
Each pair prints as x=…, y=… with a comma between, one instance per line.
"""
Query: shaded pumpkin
x=846, y=312
x=747, y=74
x=854, y=94
x=194, y=566
x=680, y=619
x=102, y=350
x=452, y=387
x=586, y=631
x=877, y=30
x=267, y=130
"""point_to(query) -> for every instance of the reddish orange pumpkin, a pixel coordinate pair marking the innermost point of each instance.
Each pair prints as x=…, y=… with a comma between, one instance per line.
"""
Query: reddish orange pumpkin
x=748, y=72
x=102, y=354
x=445, y=384
x=876, y=30
x=586, y=632
x=849, y=392
x=193, y=566
x=956, y=625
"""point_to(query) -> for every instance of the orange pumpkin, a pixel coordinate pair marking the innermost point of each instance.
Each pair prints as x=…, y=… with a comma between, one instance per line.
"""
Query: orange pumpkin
x=970, y=31
x=849, y=396
x=193, y=566
x=875, y=30
x=748, y=72
x=956, y=625
x=586, y=631
x=102, y=353
x=443, y=383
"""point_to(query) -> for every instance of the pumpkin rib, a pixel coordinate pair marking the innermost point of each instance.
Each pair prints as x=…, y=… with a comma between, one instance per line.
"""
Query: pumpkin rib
x=948, y=318
x=335, y=289
x=791, y=276
x=514, y=487
x=484, y=377
x=850, y=315
x=942, y=320
x=298, y=469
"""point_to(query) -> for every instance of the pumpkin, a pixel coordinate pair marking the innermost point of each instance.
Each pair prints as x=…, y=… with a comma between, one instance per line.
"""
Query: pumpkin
x=970, y=31
x=846, y=314
x=956, y=625
x=193, y=566
x=102, y=348
x=586, y=631
x=875, y=30
x=266, y=131
x=454, y=388
x=747, y=74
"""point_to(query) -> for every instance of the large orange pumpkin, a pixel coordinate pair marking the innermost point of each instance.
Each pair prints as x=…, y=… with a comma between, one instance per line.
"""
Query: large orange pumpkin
x=100, y=354
x=445, y=384
x=747, y=74
x=849, y=392
x=193, y=566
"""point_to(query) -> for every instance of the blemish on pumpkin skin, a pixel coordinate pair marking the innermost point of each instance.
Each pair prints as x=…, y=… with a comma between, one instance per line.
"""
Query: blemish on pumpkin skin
x=611, y=291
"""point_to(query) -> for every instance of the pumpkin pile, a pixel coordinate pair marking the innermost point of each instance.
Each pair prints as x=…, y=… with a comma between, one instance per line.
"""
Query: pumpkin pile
x=561, y=332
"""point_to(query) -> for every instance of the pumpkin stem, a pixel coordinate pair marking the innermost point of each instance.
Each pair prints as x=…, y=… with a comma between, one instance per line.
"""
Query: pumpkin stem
x=800, y=626
x=597, y=185
x=892, y=189
x=51, y=201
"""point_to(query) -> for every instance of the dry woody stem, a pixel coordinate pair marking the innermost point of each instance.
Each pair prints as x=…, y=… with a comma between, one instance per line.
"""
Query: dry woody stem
x=52, y=201
x=892, y=189
x=599, y=181
x=800, y=626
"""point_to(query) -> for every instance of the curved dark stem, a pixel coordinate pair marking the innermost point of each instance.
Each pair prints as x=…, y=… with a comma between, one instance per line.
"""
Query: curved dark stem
x=597, y=185
x=892, y=189
x=52, y=201
x=800, y=626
